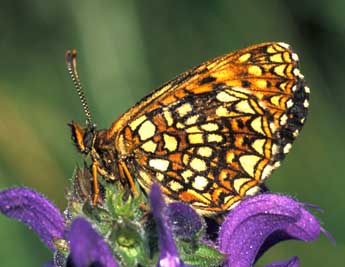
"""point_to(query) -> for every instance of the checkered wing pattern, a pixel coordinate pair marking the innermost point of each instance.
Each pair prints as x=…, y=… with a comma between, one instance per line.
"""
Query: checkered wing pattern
x=212, y=135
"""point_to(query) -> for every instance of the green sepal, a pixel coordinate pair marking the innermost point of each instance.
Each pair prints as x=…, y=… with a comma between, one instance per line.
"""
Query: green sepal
x=200, y=255
x=128, y=241
x=120, y=207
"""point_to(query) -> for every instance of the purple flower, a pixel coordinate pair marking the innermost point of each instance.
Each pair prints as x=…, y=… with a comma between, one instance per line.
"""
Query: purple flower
x=169, y=256
x=168, y=252
x=35, y=211
x=87, y=247
x=259, y=222
x=249, y=230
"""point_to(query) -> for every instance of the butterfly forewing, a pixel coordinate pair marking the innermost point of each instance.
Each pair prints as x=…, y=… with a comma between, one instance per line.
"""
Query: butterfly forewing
x=213, y=134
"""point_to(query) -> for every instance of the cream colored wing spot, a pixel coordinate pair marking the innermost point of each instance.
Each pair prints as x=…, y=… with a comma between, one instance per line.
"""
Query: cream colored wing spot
x=205, y=151
x=200, y=182
x=244, y=107
x=261, y=83
x=279, y=70
x=277, y=58
x=222, y=112
x=275, y=100
x=239, y=182
x=184, y=109
x=225, y=97
x=168, y=117
x=175, y=186
x=287, y=57
x=146, y=130
x=306, y=103
x=287, y=148
x=193, y=129
x=282, y=86
x=289, y=103
x=192, y=119
x=271, y=50
x=187, y=174
x=276, y=165
x=214, y=138
x=210, y=127
x=283, y=120
x=245, y=57
x=149, y=146
x=170, y=142
x=294, y=57
x=273, y=127
x=179, y=125
x=198, y=164
x=257, y=125
x=185, y=159
x=196, y=138
x=134, y=124
x=255, y=70
x=307, y=89
x=259, y=145
x=297, y=73
x=253, y=191
x=159, y=164
x=159, y=176
x=275, y=149
x=248, y=163
x=295, y=133
x=267, y=171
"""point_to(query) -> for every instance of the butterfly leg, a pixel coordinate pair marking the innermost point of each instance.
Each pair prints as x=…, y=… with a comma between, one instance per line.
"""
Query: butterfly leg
x=95, y=183
x=124, y=170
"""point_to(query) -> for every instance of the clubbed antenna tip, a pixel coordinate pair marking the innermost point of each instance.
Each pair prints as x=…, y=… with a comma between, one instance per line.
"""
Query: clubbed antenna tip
x=71, y=60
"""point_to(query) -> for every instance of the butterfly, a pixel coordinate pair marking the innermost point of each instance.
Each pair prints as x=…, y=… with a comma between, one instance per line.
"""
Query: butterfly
x=209, y=137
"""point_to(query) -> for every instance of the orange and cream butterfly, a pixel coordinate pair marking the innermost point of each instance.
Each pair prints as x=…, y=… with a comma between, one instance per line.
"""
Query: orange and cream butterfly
x=209, y=137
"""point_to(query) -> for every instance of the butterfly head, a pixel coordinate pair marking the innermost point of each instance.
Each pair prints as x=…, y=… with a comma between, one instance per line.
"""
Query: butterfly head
x=90, y=141
x=83, y=138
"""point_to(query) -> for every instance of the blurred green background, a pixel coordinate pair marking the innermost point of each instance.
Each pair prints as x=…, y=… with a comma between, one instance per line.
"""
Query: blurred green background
x=128, y=48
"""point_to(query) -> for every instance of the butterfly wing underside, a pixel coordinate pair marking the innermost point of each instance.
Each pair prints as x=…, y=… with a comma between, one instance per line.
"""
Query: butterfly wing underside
x=213, y=134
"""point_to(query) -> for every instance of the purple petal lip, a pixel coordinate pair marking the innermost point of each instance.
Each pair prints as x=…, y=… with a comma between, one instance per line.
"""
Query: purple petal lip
x=259, y=222
x=169, y=256
x=35, y=210
x=87, y=247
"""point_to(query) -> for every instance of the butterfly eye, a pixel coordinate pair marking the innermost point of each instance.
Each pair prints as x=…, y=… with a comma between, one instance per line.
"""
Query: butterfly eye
x=87, y=139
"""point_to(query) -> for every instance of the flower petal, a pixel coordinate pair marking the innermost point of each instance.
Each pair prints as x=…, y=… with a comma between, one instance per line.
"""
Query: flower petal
x=87, y=247
x=293, y=262
x=261, y=221
x=169, y=256
x=307, y=229
x=34, y=210
x=185, y=222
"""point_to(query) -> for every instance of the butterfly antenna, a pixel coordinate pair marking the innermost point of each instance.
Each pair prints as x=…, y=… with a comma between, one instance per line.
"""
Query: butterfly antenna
x=71, y=60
